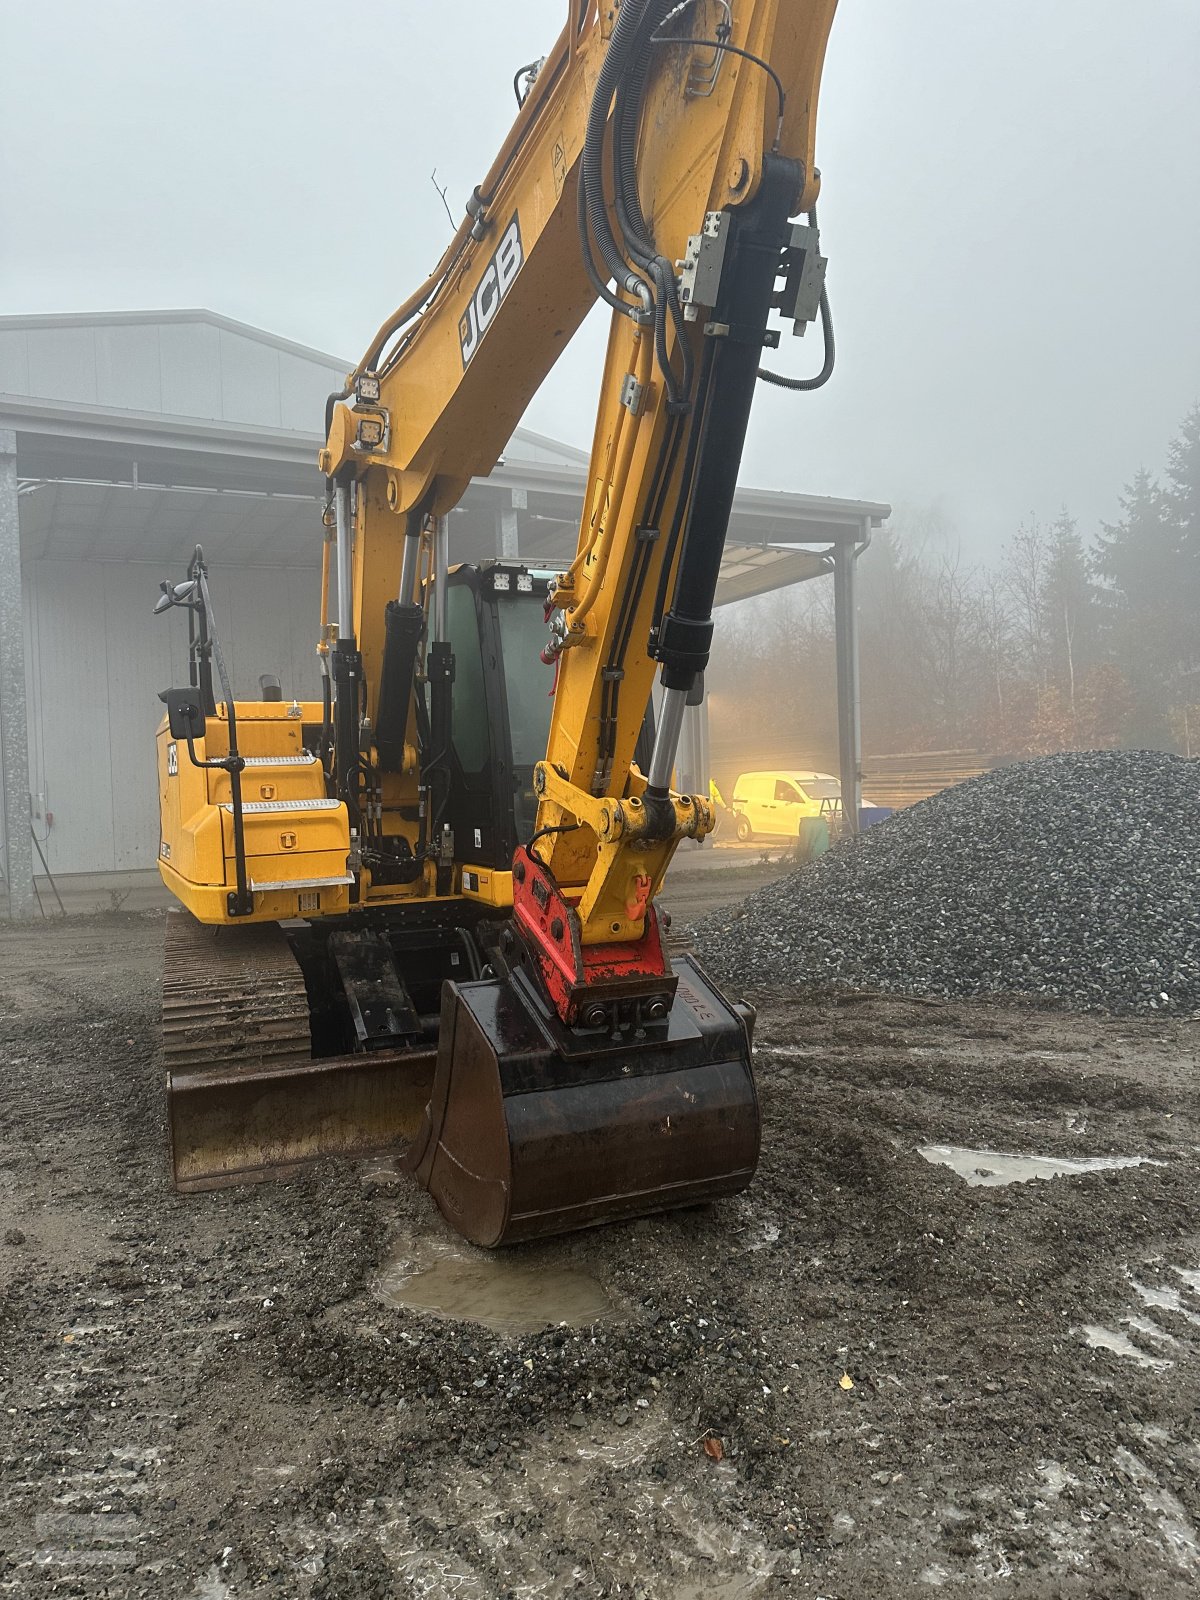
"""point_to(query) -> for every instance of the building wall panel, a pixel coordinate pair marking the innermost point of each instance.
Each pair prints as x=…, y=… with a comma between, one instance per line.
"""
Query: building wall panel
x=62, y=364
x=14, y=361
x=249, y=382
x=73, y=716
x=129, y=367
x=97, y=658
x=138, y=650
x=191, y=369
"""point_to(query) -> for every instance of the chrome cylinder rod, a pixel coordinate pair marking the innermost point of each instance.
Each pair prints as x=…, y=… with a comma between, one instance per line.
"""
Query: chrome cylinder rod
x=408, y=564
x=441, y=566
x=666, y=740
x=345, y=560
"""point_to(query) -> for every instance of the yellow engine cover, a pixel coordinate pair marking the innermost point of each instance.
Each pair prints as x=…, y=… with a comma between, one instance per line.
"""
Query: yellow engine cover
x=297, y=839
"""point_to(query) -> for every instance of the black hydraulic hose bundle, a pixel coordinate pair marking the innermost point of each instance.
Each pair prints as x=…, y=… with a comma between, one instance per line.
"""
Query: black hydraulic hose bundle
x=638, y=238
x=325, y=747
x=633, y=264
x=616, y=62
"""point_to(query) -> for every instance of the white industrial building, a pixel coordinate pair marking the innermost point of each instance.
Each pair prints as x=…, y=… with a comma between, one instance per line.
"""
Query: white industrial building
x=128, y=438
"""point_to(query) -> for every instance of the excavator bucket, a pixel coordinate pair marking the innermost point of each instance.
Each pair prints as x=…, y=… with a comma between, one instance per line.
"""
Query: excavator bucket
x=534, y=1130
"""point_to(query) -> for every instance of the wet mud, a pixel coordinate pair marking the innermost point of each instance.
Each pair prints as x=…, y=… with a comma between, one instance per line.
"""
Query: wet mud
x=875, y=1374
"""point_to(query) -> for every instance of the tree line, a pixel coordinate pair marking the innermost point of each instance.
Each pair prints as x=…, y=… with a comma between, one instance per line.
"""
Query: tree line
x=1066, y=642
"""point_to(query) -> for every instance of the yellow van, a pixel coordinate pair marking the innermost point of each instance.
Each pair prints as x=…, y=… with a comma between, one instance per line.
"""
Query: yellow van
x=771, y=805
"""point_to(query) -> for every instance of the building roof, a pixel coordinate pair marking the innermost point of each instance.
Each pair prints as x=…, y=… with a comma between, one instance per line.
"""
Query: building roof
x=188, y=366
x=137, y=429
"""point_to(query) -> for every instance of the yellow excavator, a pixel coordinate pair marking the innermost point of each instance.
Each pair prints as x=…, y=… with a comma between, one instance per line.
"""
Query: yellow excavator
x=419, y=915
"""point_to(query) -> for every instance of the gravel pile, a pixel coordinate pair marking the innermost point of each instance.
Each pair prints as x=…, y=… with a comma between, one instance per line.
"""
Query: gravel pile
x=1073, y=879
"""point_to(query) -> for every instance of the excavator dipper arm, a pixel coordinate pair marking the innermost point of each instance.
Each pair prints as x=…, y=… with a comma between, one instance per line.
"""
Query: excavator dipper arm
x=655, y=137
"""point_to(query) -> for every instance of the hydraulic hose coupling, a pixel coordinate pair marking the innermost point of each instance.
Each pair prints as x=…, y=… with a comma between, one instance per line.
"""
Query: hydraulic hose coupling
x=557, y=641
x=644, y=315
x=477, y=211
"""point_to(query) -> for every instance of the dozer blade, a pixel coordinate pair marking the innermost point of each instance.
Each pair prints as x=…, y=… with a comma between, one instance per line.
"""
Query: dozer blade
x=245, y=1099
x=240, y=1126
x=532, y=1129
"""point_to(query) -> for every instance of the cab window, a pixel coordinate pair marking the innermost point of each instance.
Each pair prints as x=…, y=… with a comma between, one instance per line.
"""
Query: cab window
x=786, y=793
x=469, y=706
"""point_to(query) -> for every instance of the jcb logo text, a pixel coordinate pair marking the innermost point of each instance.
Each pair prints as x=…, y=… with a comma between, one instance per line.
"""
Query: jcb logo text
x=497, y=280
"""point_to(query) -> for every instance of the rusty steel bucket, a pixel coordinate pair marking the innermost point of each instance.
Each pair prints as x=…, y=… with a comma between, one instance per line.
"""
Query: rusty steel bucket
x=532, y=1129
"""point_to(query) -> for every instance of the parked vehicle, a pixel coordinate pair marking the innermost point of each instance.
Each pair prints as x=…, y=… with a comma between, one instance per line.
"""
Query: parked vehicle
x=773, y=805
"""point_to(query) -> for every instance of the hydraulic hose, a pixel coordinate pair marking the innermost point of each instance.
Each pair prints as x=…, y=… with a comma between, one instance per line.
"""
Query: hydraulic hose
x=616, y=60
x=636, y=232
x=589, y=261
x=805, y=384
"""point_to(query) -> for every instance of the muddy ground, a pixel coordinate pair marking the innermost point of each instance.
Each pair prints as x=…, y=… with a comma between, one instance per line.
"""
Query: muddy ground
x=214, y=1396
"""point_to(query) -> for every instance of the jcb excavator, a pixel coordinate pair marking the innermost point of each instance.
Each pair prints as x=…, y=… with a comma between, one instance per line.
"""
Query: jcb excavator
x=419, y=915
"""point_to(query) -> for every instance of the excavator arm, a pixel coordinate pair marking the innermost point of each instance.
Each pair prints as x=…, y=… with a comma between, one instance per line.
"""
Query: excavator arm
x=656, y=160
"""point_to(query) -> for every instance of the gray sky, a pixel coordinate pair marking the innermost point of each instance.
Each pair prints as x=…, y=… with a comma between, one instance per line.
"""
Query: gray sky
x=1010, y=211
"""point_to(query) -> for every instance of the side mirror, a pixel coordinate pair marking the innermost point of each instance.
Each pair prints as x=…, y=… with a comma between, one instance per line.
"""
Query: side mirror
x=185, y=715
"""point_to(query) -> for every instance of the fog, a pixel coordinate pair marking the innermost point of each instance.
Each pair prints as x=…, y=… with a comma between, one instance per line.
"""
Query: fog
x=1008, y=210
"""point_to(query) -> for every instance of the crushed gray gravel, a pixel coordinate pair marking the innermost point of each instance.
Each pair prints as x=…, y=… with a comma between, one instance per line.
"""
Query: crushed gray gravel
x=1072, y=880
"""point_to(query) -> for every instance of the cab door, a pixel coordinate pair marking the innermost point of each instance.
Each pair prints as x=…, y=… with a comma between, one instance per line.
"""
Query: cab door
x=787, y=807
x=760, y=804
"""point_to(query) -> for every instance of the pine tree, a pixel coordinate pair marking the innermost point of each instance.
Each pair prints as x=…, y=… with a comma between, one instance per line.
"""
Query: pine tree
x=1070, y=616
x=1182, y=500
x=1148, y=563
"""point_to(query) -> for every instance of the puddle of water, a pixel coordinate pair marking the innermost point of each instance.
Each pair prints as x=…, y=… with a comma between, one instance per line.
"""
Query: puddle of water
x=740, y=1588
x=381, y=1169
x=212, y=1586
x=1161, y=1299
x=1174, y=1524
x=1101, y=1338
x=504, y=1295
x=1150, y=1330
x=1055, y=1478
x=990, y=1168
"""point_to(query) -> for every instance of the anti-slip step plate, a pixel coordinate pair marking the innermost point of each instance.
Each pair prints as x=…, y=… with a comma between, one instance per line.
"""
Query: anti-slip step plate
x=306, y=760
x=258, y=807
x=301, y=883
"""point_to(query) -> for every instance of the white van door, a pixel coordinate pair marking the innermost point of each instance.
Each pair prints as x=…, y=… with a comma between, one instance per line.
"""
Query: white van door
x=786, y=807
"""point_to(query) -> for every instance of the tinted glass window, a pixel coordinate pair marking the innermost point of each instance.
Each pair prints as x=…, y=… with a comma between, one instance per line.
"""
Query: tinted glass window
x=469, y=703
x=823, y=789
x=529, y=681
